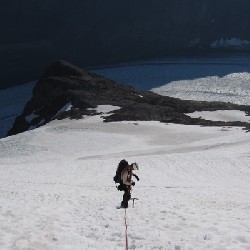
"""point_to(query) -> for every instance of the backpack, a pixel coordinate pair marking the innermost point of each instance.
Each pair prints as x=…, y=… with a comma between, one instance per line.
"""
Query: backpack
x=117, y=178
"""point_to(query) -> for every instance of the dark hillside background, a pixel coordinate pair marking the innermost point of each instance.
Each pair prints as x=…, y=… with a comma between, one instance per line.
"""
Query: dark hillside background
x=35, y=33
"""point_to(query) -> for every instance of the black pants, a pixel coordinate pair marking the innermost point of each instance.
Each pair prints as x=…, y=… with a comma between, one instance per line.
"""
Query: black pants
x=126, y=195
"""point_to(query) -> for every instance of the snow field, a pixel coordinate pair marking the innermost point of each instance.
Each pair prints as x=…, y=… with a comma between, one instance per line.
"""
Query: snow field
x=222, y=115
x=57, y=192
x=233, y=87
x=56, y=187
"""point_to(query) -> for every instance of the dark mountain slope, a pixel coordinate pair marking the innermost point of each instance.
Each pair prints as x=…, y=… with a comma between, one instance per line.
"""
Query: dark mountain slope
x=63, y=84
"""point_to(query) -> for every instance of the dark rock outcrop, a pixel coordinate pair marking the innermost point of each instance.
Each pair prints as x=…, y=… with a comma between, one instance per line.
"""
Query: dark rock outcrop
x=95, y=32
x=63, y=84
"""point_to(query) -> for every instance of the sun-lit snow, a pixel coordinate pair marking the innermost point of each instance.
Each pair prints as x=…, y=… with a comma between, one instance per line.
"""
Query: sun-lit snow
x=105, y=108
x=222, y=115
x=57, y=190
x=56, y=181
x=233, y=88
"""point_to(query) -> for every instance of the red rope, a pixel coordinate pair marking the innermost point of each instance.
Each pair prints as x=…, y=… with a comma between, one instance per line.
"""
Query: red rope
x=126, y=229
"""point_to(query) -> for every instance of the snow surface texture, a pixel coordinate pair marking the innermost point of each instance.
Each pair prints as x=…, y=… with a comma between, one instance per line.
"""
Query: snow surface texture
x=206, y=79
x=57, y=190
x=222, y=115
x=12, y=102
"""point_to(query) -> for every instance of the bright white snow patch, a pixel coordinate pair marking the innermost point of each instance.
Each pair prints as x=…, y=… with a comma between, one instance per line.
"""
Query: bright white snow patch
x=105, y=108
x=221, y=115
x=232, y=88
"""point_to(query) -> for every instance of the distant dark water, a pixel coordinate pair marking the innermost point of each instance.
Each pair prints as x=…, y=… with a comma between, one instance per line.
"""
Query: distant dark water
x=154, y=73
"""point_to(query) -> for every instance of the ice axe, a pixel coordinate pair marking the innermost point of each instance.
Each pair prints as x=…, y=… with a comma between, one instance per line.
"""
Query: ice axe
x=134, y=201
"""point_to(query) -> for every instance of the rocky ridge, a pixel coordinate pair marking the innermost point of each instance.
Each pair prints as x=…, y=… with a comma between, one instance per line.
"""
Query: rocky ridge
x=64, y=84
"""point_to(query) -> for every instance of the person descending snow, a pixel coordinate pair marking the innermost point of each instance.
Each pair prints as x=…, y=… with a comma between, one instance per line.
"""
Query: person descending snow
x=123, y=176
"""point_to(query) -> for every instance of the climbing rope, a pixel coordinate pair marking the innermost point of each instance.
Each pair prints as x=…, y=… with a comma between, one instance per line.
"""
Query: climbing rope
x=126, y=229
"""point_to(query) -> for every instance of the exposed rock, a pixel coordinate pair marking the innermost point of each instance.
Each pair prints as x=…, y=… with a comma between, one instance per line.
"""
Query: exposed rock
x=63, y=84
x=95, y=32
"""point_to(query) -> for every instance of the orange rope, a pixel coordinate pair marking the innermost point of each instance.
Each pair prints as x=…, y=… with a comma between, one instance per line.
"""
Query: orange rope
x=126, y=229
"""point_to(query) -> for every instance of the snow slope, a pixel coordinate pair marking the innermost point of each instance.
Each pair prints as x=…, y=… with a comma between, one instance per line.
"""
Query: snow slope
x=57, y=192
x=56, y=187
